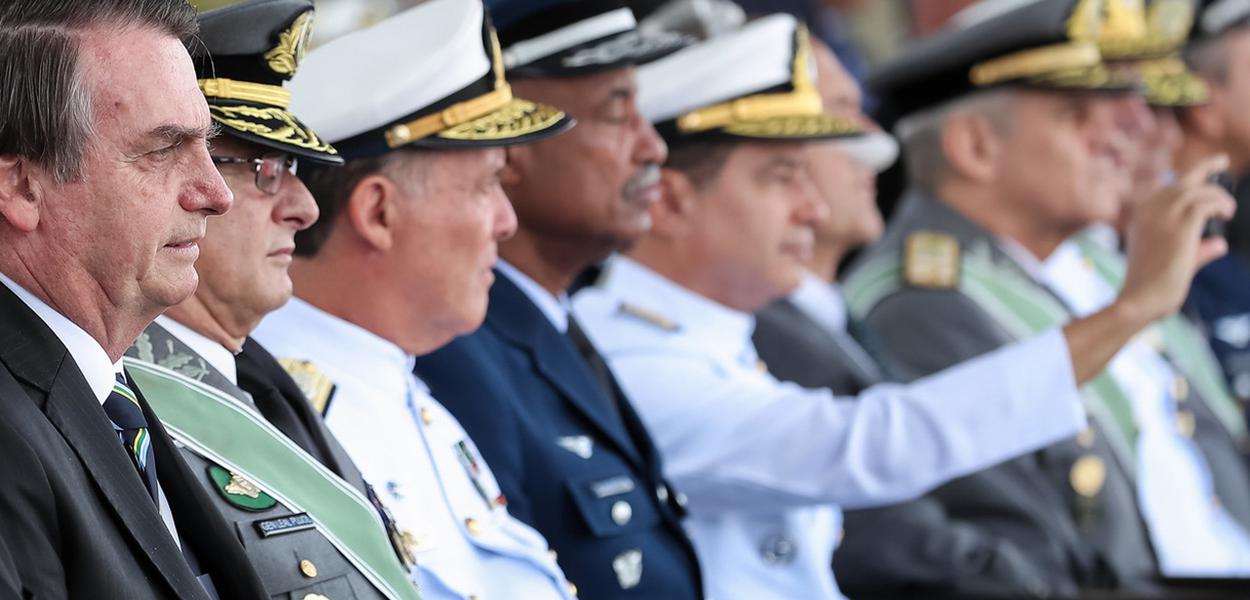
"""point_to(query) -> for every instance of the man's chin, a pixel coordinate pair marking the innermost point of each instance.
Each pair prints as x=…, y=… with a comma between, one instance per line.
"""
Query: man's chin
x=173, y=289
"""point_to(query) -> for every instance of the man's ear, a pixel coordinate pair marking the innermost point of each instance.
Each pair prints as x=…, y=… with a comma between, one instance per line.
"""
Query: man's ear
x=971, y=147
x=20, y=194
x=373, y=211
x=673, y=215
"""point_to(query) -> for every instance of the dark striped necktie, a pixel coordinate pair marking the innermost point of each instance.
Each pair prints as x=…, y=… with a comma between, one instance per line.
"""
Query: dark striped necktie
x=122, y=408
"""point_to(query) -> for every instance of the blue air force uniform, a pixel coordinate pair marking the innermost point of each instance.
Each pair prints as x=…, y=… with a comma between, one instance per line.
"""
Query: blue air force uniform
x=569, y=452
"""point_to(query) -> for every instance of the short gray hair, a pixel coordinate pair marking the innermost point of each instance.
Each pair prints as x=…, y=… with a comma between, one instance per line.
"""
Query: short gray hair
x=920, y=133
x=46, y=114
x=333, y=186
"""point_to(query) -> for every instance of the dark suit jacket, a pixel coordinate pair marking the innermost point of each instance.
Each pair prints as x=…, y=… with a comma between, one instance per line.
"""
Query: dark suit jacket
x=276, y=557
x=1026, y=503
x=519, y=387
x=75, y=520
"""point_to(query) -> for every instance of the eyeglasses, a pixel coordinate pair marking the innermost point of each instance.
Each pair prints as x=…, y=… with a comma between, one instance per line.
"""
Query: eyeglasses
x=270, y=168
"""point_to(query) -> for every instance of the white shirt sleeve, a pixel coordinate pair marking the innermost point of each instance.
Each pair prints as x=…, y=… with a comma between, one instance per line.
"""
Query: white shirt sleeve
x=734, y=438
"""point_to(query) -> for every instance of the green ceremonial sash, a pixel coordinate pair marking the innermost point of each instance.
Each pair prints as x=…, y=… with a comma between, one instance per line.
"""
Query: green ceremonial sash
x=223, y=430
x=1186, y=347
x=1024, y=309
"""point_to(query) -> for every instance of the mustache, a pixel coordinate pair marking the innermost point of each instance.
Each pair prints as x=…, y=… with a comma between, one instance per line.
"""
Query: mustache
x=647, y=177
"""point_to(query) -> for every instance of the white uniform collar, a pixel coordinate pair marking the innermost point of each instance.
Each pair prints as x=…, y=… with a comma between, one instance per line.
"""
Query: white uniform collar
x=88, y=354
x=217, y=355
x=717, y=327
x=325, y=338
x=1073, y=278
x=822, y=302
x=555, y=308
x=1022, y=257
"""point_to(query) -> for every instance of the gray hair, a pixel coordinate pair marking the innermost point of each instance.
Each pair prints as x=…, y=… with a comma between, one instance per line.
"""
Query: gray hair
x=333, y=187
x=46, y=115
x=920, y=133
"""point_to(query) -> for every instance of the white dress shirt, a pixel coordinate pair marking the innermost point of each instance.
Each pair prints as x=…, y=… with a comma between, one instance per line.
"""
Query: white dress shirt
x=766, y=464
x=1192, y=535
x=427, y=470
x=556, y=309
x=93, y=362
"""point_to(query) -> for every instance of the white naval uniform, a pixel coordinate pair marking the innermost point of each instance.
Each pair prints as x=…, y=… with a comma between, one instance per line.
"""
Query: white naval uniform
x=421, y=462
x=1192, y=535
x=766, y=464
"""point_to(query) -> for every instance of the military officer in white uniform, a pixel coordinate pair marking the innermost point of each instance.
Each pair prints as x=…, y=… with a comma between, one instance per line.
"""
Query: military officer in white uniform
x=400, y=264
x=765, y=464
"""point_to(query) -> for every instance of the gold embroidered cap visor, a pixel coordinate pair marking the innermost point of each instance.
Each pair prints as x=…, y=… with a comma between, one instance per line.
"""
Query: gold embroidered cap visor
x=514, y=121
x=1169, y=83
x=273, y=127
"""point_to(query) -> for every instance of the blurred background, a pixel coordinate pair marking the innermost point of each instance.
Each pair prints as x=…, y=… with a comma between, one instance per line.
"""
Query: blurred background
x=862, y=32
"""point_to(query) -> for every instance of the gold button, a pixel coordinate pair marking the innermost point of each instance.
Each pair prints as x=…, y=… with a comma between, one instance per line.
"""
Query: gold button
x=307, y=568
x=473, y=526
x=1185, y=423
x=426, y=417
x=1088, y=475
x=761, y=366
x=1180, y=389
x=572, y=589
x=553, y=555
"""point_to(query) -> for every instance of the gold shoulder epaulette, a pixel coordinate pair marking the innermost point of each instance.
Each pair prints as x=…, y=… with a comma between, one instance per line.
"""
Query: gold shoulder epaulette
x=316, y=386
x=931, y=260
x=650, y=316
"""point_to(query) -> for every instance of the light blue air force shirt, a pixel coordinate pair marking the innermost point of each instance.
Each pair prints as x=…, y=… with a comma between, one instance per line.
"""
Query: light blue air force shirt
x=766, y=465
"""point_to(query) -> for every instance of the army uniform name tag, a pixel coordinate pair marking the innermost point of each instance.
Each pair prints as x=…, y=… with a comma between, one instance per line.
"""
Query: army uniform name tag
x=281, y=525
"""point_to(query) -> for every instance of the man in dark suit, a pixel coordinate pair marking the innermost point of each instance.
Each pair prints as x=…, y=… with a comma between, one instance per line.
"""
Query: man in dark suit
x=295, y=539
x=105, y=187
x=566, y=447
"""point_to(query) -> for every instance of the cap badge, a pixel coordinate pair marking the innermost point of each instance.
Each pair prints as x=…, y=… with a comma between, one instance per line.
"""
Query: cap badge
x=292, y=43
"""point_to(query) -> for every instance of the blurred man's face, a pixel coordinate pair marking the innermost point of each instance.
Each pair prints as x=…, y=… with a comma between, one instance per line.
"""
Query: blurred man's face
x=1231, y=97
x=1060, y=159
x=1154, y=157
x=847, y=186
x=753, y=222
x=245, y=254
x=597, y=182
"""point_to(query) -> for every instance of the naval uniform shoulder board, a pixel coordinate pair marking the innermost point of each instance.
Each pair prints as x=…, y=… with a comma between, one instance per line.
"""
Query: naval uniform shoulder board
x=931, y=260
x=649, y=316
x=316, y=386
